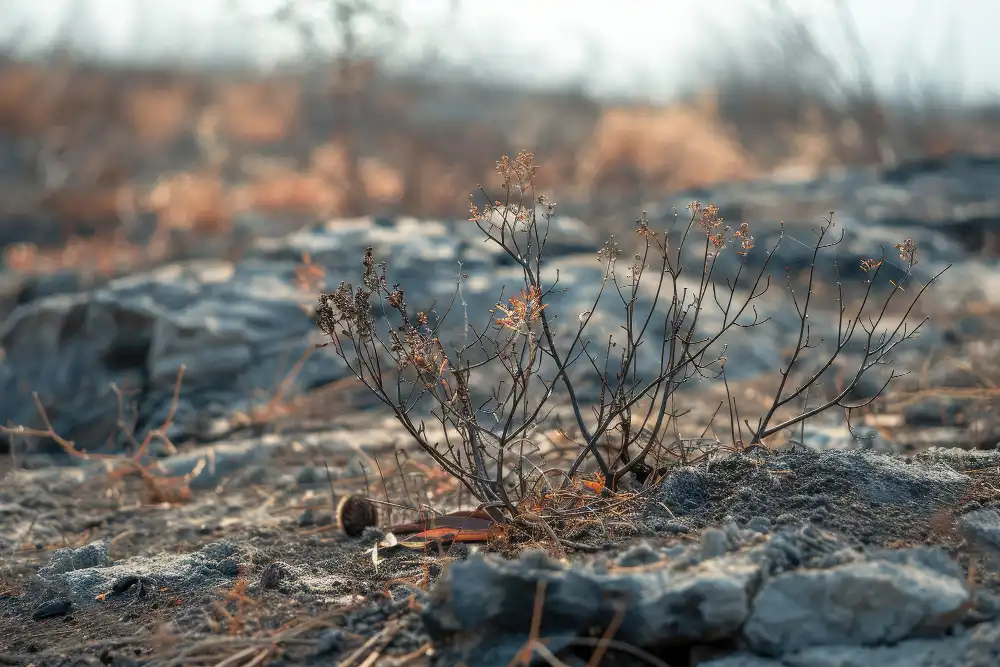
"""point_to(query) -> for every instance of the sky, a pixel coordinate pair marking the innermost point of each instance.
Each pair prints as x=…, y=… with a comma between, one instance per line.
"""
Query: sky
x=626, y=48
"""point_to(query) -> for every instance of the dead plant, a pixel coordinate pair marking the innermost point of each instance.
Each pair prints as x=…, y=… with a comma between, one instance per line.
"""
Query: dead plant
x=483, y=435
x=157, y=487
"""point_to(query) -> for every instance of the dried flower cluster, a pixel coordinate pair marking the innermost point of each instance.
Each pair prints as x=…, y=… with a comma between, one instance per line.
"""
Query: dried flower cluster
x=743, y=237
x=499, y=216
x=610, y=251
x=524, y=309
x=711, y=222
x=907, y=251
x=519, y=172
x=870, y=264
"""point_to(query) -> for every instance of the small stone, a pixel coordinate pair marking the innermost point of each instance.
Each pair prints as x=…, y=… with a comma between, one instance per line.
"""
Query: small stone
x=310, y=476
x=228, y=566
x=331, y=641
x=273, y=574
x=641, y=554
x=94, y=554
x=713, y=543
x=52, y=608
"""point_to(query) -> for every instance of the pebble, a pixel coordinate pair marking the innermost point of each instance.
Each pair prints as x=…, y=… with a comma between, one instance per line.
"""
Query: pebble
x=52, y=608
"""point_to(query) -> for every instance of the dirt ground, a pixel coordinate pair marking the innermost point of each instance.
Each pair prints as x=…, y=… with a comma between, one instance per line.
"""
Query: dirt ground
x=253, y=570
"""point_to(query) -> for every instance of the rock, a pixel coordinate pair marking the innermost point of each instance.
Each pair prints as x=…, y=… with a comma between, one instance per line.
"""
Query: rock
x=861, y=603
x=93, y=555
x=482, y=600
x=977, y=647
x=239, y=328
x=275, y=574
x=310, y=475
x=686, y=596
x=52, y=608
x=713, y=543
x=331, y=641
x=212, y=565
x=983, y=528
x=231, y=326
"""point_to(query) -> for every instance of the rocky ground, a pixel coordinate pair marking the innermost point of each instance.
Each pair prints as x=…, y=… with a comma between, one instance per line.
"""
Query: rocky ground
x=827, y=548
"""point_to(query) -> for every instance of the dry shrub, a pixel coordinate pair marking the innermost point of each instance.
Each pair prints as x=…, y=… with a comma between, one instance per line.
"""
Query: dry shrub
x=487, y=432
x=22, y=108
x=78, y=205
x=401, y=147
x=156, y=487
x=382, y=183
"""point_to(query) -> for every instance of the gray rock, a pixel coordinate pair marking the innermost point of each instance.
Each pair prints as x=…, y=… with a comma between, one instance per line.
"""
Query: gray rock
x=92, y=555
x=52, y=608
x=778, y=595
x=977, y=647
x=862, y=603
x=212, y=565
x=239, y=327
x=483, y=598
x=713, y=543
x=983, y=528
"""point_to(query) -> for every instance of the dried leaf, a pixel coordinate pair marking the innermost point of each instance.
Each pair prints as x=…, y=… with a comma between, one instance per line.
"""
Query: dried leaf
x=444, y=535
x=475, y=520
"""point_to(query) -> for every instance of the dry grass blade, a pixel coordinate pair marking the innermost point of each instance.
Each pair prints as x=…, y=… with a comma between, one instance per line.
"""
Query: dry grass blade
x=547, y=655
x=523, y=656
x=379, y=639
x=634, y=651
x=404, y=660
x=231, y=661
x=609, y=633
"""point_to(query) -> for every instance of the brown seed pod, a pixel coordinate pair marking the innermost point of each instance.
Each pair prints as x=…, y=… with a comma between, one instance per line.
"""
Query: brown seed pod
x=355, y=513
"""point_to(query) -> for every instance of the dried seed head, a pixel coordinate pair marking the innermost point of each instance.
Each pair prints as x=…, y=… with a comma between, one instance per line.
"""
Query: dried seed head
x=907, y=251
x=354, y=514
x=610, y=251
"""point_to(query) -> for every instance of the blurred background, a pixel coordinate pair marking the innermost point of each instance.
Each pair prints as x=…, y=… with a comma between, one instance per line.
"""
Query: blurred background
x=127, y=124
x=137, y=133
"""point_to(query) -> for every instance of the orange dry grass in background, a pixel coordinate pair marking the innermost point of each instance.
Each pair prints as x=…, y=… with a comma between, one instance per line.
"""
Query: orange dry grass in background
x=674, y=147
x=195, y=150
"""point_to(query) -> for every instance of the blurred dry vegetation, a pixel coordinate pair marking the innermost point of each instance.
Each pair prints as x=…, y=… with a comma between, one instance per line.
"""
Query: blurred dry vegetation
x=89, y=155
